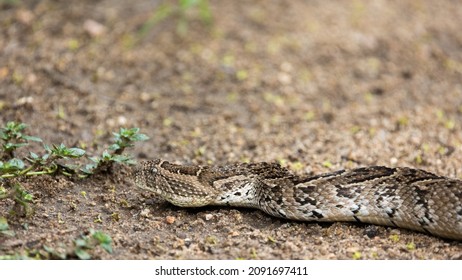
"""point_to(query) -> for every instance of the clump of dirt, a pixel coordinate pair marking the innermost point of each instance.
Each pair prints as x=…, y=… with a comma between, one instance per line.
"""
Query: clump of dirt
x=316, y=86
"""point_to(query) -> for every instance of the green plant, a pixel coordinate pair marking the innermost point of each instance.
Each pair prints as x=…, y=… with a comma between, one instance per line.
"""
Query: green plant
x=13, y=138
x=20, y=196
x=126, y=139
x=95, y=238
x=5, y=228
x=180, y=9
x=59, y=159
x=122, y=140
x=80, y=249
x=9, y=2
x=54, y=160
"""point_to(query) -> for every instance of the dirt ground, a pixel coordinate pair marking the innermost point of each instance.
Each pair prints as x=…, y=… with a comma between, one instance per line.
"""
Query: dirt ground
x=315, y=85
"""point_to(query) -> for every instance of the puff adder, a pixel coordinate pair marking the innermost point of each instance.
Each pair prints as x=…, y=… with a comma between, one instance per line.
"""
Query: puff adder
x=401, y=197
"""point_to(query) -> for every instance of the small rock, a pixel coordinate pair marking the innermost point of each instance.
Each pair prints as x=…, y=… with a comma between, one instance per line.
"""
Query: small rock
x=208, y=217
x=25, y=16
x=151, y=201
x=31, y=78
x=284, y=78
x=181, y=235
x=317, y=241
x=24, y=100
x=145, y=97
x=169, y=219
x=286, y=67
x=94, y=28
x=121, y=120
x=371, y=231
x=4, y=72
x=145, y=212
x=393, y=161
x=187, y=242
x=352, y=249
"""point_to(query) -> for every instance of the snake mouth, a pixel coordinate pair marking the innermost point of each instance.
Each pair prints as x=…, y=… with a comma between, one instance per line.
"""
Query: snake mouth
x=138, y=176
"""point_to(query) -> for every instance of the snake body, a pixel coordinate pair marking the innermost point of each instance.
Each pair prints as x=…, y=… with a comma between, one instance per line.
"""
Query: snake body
x=401, y=197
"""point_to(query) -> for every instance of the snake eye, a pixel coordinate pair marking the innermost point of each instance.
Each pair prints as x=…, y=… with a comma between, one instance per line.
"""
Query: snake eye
x=154, y=170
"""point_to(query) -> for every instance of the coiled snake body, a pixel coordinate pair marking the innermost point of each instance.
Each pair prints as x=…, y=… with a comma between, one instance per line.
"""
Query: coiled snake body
x=401, y=197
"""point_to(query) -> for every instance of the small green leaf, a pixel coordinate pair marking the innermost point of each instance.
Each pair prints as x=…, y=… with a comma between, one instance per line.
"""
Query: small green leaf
x=4, y=227
x=80, y=242
x=114, y=147
x=28, y=197
x=131, y=162
x=12, y=165
x=54, y=253
x=48, y=249
x=104, y=240
x=126, y=137
x=31, y=138
x=121, y=158
x=9, y=233
x=13, y=146
x=107, y=247
x=88, y=168
x=33, y=155
x=3, y=224
x=106, y=156
x=16, y=127
x=139, y=137
x=129, y=131
x=16, y=163
x=63, y=152
x=82, y=254
x=95, y=159
x=47, y=148
x=76, y=152
x=36, y=159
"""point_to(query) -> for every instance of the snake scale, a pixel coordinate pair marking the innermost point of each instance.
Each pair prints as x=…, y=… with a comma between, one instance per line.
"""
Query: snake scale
x=401, y=197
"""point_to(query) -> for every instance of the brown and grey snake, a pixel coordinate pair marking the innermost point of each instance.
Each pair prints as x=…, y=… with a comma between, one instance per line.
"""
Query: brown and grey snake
x=401, y=197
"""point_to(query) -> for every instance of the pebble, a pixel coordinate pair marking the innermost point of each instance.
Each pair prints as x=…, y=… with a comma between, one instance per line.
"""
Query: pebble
x=393, y=161
x=121, y=120
x=208, y=217
x=187, y=241
x=353, y=249
x=234, y=233
x=169, y=219
x=181, y=235
x=145, y=212
x=25, y=16
x=317, y=241
x=94, y=28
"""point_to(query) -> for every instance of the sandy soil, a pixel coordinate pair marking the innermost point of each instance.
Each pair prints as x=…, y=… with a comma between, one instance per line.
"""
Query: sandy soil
x=315, y=85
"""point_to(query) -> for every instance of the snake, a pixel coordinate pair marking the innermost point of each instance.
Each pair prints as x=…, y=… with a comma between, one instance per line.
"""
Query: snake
x=400, y=197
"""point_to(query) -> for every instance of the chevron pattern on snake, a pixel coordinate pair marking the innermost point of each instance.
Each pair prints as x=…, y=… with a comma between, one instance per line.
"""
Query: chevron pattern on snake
x=401, y=197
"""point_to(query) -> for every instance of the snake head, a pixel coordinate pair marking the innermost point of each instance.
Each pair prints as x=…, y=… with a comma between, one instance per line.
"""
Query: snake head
x=145, y=174
x=180, y=185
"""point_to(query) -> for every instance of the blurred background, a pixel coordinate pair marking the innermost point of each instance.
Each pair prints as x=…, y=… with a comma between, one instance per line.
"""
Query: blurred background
x=238, y=80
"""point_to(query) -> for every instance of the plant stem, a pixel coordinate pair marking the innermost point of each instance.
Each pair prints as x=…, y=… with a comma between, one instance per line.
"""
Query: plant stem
x=31, y=173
